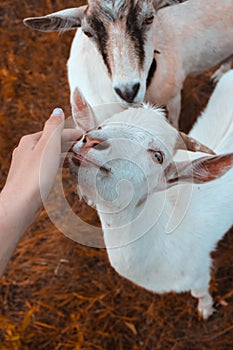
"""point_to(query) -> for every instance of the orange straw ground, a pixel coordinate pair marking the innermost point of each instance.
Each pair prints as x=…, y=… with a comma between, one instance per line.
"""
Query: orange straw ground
x=57, y=294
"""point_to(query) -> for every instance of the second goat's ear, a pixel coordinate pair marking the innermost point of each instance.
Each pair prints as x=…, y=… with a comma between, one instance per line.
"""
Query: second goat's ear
x=58, y=21
x=199, y=171
x=83, y=114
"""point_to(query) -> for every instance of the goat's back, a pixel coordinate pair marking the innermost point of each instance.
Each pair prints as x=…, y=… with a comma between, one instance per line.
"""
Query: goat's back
x=197, y=30
x=214, y=127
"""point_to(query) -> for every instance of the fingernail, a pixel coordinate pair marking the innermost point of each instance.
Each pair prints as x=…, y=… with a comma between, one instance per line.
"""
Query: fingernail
x=57, y=112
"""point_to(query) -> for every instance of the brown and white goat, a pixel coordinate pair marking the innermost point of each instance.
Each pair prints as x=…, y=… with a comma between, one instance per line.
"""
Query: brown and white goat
x=136, y=54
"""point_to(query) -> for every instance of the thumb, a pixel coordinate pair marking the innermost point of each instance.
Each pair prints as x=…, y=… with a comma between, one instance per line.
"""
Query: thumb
x=56, y=119
x=54, y=125
x=49, y=148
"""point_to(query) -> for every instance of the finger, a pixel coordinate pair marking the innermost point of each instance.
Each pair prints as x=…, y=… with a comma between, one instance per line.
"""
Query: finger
x=55, y=122
x=67, y=147
x=53, y=130
x=48, y=151
x=69, y=139
x=71, y=135
x=29, y=141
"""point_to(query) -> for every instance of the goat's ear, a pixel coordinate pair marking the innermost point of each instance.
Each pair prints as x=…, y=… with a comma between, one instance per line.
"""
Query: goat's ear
x=61, y=20
x=82, y=112
x=199, y=171
x=158, y=4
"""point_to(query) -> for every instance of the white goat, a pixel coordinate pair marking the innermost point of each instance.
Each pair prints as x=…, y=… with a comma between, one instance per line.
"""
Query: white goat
x=161, y=214
x=118, y=46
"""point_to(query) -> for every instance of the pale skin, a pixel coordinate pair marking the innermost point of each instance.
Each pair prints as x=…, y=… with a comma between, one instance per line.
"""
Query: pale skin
x=33, y=169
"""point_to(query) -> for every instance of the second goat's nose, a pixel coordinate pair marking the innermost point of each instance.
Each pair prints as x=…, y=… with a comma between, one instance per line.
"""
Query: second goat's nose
x=94, y=143
x=127, y=93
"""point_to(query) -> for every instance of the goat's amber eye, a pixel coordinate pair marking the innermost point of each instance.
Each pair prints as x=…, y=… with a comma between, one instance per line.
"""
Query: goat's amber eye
x=149, y=20
x=88, y=34
x=158, y=156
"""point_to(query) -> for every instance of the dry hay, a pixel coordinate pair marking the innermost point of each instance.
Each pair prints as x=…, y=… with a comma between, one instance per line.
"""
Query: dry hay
x=57, y=294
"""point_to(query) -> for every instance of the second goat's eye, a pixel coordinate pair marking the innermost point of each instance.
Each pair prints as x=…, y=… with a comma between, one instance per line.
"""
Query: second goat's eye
x=149, y=20
x=88, y=34
x=158, y=156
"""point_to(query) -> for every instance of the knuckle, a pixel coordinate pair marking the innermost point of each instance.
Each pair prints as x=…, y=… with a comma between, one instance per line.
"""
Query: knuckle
x=25, y=139
x=15, y=151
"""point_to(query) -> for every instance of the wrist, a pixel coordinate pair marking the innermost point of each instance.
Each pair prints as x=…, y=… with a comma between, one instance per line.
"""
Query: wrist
x=18, y=209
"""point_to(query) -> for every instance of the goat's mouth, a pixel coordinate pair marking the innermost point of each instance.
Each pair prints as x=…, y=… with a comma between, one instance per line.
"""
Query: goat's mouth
x=126, y=105
x=78, y=160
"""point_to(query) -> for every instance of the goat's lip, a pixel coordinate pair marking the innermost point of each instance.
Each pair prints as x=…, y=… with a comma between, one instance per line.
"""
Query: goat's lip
x=133, y=104
x=78, y=158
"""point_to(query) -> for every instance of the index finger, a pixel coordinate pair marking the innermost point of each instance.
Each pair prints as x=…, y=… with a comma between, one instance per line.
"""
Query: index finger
x=69, y=138
x=30, y=140
x=71, y=135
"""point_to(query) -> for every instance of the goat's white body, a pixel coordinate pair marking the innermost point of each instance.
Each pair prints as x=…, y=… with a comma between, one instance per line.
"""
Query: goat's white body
x=215, y=125
x=179, y=260
x=166, y=245
x=192, y=37
x=174, y=256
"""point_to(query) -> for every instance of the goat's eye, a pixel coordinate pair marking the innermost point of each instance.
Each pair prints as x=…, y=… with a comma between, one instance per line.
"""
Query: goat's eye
x=88, y=34
x=99, y=128
x=149, y=20
x=158, y=157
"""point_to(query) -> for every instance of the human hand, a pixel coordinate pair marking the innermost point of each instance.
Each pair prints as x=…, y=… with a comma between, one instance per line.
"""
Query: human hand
x=35, y=163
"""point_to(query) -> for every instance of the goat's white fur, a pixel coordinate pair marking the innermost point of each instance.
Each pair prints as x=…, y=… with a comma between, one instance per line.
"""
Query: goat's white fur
x=180, y=225
x=85, y=62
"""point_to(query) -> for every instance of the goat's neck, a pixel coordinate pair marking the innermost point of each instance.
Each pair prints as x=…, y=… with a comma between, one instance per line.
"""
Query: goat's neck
x=136, y=248
x=137, y=219
x=159, y=215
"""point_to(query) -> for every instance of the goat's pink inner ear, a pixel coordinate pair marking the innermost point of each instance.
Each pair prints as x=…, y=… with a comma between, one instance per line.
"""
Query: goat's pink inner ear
x=207, y=169
x=79, y=100
x=82, y=112
x=199, y=171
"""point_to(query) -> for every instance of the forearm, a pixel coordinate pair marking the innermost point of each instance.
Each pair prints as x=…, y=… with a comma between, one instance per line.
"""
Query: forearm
x=16, y=215
x=32, y=172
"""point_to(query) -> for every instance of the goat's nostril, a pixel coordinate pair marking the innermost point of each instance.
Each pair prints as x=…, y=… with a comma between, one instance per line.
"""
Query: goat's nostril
x=135, y=89
x=119, y=93
x=98, y=144
x=128, y=94
x=95, y=144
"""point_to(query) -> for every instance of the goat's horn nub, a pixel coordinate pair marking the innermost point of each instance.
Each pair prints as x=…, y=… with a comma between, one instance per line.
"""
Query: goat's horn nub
x=186, y=142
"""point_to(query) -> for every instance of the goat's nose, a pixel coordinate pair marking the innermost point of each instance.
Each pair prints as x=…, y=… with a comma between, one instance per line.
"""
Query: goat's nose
x=127, y=93
x=90, y=142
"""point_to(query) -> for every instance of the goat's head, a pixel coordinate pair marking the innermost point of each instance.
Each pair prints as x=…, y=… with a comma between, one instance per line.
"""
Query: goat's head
x=122, y=32
x=138, y=145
